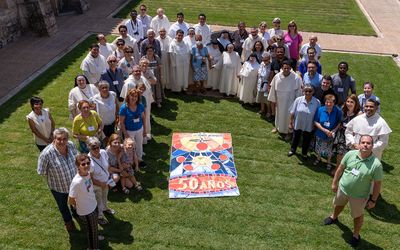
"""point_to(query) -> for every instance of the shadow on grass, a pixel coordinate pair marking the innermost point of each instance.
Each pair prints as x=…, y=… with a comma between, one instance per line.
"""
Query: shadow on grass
x=168, y=110
x=117, y=231
x=385, y=211
x=125, y=11
x=387, y=167
x=37, y=85
x=188, y=98
x=348, y=234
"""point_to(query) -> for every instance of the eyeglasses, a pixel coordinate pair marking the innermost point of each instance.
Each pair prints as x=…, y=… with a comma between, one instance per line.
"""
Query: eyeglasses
x=84, y=164
x=94, y=148
x=120, y=44
x=130, y=52
x=290, y=26
x=143, y=9
x=112, y=61
x=307, y=91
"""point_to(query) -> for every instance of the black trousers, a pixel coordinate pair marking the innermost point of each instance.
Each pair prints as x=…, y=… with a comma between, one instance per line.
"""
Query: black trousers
x=307, y=136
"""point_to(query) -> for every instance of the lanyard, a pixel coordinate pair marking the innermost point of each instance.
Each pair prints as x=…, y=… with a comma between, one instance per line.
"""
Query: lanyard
x=99, y=165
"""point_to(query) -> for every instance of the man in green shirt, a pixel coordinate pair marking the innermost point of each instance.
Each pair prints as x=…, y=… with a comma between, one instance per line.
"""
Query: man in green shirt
x=357, y=171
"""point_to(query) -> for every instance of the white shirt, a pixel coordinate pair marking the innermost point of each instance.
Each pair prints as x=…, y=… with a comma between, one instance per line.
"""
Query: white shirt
x=81, y=190
x=106, y=50
x=94, y=67
x=106, y=107
x=157, y=23
x=42, y=124
x=135, y=30
x=99, y=167
x=178, y=26
x=204, y=31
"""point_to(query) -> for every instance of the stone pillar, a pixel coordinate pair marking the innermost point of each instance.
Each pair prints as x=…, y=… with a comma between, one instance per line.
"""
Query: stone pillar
x=40, y=17
x=10, y=27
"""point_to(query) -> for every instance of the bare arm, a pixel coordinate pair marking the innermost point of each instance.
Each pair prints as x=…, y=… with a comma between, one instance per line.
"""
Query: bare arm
x=375, y=194
x=36, y=132
x=338, y=174
x=72, y=201
x=122, y=126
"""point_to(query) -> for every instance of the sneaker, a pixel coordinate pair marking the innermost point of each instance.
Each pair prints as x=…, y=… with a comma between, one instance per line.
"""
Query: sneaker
x=328, y=166
x=100, y=237
x=354, y=242
x=274, y=130
x=290, y=153
x=330, y=221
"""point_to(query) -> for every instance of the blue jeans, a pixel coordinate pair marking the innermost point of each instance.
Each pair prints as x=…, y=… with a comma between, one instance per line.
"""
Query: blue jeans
x=62, y=203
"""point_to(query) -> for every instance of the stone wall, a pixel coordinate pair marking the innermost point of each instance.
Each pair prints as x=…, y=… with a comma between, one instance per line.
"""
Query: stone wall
x=18, y=16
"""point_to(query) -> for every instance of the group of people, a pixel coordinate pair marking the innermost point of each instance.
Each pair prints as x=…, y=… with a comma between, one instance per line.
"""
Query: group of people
x=110, y=106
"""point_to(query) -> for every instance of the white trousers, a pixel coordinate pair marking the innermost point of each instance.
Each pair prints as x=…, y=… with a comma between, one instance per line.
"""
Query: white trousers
x=137, y=136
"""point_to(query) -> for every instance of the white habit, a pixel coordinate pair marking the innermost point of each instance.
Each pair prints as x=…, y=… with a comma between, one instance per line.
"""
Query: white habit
x=180, y=57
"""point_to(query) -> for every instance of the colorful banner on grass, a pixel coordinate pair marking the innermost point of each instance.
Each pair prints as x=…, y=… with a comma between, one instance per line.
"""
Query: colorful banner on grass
x=202, y=165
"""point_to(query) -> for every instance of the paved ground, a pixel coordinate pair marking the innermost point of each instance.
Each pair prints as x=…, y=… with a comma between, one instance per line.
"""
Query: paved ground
x=30, y=55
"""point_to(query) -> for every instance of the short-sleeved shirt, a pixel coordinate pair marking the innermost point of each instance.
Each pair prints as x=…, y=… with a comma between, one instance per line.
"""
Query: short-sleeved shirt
x=59, y=169
x=114, y=79
x=303, y=67
x=86, y=126
x=133, y=119
x=315, y=81
x=304, y=113
x=327, y=120
x=341, y=87
x=362, y=99
x=197, y=56
x=359, y=174
x=82, y=191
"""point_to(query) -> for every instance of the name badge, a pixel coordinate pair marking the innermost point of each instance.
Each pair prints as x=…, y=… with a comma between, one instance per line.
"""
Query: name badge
x=288, y=44
x=355, y=172
x=91, y=128
x=340, y=89
x=276, y=71
x=136, y=120
x=115, y=82
x=327, y=124
x=242, y=40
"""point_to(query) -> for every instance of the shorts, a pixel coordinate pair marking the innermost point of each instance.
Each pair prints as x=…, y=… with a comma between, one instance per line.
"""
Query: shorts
x=356, y=205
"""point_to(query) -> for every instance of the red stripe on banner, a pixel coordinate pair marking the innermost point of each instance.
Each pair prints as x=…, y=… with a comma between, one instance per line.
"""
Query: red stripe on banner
x=202, y=183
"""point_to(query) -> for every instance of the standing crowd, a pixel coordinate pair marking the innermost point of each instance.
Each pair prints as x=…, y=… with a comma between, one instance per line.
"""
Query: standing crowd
x=110, y=108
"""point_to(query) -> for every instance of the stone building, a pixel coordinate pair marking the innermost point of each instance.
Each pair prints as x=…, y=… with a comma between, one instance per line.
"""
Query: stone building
x=38, y=16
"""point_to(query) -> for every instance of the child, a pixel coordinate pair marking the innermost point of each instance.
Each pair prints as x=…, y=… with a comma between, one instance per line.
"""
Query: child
x=128, y=160
x=368, y=88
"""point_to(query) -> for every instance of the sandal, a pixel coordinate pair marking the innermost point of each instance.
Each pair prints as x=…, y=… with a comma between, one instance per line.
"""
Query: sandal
x=109, y=211
x=328, y=166
x=125, y=190
x=316, y=162
x=139, y=187
x=102, y=221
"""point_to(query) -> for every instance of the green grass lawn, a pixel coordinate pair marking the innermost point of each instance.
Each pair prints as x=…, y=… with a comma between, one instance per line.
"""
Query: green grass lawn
x=331, y=16
x=282, y=203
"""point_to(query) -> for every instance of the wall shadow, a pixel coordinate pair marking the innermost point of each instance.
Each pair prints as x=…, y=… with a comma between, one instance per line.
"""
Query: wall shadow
x=39, y=83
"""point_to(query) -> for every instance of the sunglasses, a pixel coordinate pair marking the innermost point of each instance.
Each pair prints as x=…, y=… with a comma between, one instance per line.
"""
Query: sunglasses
x=143, y=9
x=291, y=26
x=95, y=147
x=130, y=52
x=120, y=44
x=84, y=164
x=308, y=91
x=112, y=61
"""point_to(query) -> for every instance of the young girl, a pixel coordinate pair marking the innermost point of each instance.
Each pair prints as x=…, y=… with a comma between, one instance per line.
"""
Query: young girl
x=368, y=89
x=128, y=160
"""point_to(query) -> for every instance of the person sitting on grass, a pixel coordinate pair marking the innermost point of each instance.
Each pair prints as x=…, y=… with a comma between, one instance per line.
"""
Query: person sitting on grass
x=114, y=150
x=129, y=161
